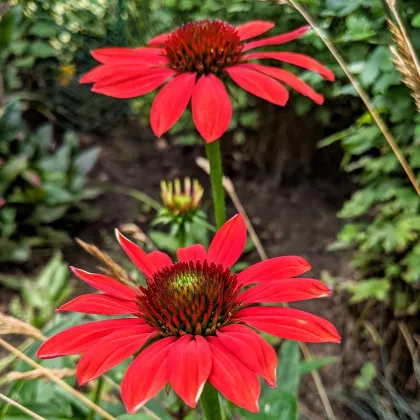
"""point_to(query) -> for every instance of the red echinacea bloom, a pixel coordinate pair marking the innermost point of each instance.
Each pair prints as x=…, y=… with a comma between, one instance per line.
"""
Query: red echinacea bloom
x=193, y=60
x=195, y=321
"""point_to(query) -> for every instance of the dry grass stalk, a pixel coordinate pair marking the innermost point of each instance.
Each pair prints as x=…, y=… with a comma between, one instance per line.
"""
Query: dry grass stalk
x=405, y=63
x=39, y=373
x=109, y=266
x=11, y=325
x=25, y=410
x=58, y=381
x=361, y=92
x=230, y=189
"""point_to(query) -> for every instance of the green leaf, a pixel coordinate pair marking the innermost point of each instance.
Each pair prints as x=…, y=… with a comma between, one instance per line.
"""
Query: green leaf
x=42, y=49
x=288, y=368
x=366, y=289
x=43, y=29
x=6, y=30
x=85, y=161
x=366, y=377
x=415, y=22
x=316, y=364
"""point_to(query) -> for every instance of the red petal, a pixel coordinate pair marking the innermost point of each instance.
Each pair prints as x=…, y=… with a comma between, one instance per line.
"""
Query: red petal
x=130, y=84
x=106, y=284
x=111, y=351
x=192, y=253
x=259, y=84
x=278, y=39
x=229, y=242
x=287, y=290
x=291, y=324
x=299, y=60
x=121, y=55
x=77, y=340
x=171, y=102
x=96, y=303
x=120, y=70
x=158, y=40
x=137, y=255
x=189, y=365
x=251, y=350
x=160, y=259
x=232, y=378
x=274, y=269
x=210, y=94
x=147, y=375
x=253, y=28
x=291, y=80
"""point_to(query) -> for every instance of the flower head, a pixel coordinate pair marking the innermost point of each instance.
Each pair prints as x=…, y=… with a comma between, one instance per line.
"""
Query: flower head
x=194, y=321
x=193, y=60
x=178, y=201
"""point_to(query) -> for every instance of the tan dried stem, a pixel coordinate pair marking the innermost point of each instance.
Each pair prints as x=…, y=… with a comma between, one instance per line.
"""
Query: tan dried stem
x=25, y=410
x=405, y=63
x=11, y=325
x=230, y=189
x=412, y=348
x=109, y=266
x=58, y=381
x=39, y=373
x=361, y=92
x=409, y=45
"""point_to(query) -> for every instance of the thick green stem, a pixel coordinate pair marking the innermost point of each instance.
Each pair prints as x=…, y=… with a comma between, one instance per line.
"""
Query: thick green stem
x=210, y=403
x=216, y=176
x=181, y=236
x=97, y=397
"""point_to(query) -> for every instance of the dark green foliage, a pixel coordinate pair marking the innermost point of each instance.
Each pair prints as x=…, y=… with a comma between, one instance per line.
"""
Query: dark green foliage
x=42, y=185
x=383, y=221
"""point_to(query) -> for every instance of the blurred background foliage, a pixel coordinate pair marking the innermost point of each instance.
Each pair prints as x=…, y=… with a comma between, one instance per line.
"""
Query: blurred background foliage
x=45, y=164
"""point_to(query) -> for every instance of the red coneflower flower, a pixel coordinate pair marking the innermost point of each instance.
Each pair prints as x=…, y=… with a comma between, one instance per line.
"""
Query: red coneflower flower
x=194, y=322
x=193, y=59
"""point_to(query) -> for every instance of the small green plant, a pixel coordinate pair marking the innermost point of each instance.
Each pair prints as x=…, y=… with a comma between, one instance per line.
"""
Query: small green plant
x=42, y=185
x=40, y=296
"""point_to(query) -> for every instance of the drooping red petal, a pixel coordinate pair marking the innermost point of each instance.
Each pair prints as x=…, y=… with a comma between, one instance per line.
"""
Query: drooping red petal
x=251, y=349
x=291, y=324
x=158, y=40
x=77, y=340
x=259, y=84
x=291, y=80
x=111, y=351
x=192, y=253
x=274, y=269
x=253, y=28
x=160, y=259
x=278, y=39
x=232, y=378
x=96, y=303
x=299, y=60
x=147, y=375
x=211, y=107
x=287, y=290
x=229, y=242
x=171, y=102
x=189, y=366
x=134, y=83
x=120, y=55
x=137, y=255
x=106, y=284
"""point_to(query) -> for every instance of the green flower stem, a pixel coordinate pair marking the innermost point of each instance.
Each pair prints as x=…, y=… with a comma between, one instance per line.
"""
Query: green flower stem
x=210, y=403
x=216, y=176
x=97, y=397
x=181, y=236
